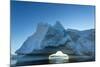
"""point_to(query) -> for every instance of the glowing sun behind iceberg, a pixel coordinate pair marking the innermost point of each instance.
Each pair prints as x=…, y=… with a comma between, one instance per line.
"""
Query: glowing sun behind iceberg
x=58, y=57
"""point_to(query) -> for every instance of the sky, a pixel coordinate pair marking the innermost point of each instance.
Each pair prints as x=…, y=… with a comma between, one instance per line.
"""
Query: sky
x=26, y=15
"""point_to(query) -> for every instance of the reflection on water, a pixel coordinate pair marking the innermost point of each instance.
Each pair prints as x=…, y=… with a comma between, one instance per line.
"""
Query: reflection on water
x=45, y=59
x=13, y=63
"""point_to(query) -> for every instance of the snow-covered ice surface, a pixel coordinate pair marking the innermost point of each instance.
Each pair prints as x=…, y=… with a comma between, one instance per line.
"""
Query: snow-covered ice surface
x=34, y=41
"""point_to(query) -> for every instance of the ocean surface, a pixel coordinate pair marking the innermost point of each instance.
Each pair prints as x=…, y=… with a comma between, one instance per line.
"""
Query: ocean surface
x=40, y=60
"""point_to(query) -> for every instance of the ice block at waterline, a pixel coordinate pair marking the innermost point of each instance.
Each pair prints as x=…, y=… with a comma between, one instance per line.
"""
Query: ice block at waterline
x=58, y=57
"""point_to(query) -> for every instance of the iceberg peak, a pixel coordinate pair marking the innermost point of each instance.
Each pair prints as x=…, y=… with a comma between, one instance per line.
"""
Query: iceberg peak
x=58, y=25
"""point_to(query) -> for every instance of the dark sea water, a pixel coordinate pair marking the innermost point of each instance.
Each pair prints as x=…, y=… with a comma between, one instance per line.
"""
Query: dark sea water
x=34, y=60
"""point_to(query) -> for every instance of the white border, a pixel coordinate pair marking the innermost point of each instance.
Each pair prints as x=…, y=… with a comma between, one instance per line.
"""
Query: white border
x=82, y=2
x=5, y=39
x=4, y=33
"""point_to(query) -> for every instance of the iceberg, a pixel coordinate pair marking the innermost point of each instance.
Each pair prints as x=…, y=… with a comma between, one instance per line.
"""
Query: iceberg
x=55, y=38
x=48, y=39
x=58, y=57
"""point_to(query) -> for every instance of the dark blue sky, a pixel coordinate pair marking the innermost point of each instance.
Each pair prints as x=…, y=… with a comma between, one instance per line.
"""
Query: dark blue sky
x=26, y=15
